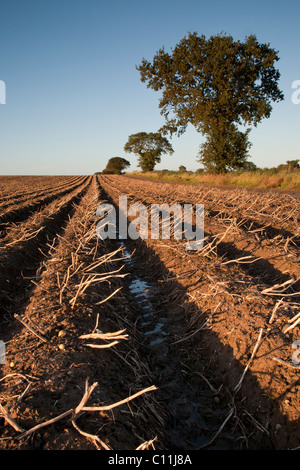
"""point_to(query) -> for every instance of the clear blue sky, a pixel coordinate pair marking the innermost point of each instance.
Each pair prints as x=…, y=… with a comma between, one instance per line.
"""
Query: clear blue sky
x=73, y=94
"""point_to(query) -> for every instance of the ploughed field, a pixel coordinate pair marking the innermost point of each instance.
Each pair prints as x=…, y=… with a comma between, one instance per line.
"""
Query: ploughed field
x=139, y=343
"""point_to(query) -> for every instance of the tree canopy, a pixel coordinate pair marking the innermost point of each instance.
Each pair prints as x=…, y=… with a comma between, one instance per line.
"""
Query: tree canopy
x=116, y=165
x=149, y=147
x=215, y=84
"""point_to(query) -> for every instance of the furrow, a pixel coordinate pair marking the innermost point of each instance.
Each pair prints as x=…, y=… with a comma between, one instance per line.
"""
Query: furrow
x=63, y=363
x=23, y=210
x=230, y=312
x=22, y=254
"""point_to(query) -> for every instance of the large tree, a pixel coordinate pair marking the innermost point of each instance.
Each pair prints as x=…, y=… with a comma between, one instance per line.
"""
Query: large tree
x=218, y=85
x=149, y=147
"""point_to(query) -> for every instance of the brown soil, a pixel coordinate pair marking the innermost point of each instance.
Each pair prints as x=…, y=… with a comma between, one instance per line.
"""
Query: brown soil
x=193, y=329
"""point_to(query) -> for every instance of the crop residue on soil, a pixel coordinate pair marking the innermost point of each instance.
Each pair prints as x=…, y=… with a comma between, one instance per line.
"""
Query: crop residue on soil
x=140, y=344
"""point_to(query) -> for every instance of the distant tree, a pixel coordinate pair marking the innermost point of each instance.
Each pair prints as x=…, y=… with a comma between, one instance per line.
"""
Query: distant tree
x=182, y=168
x=292, y=165
x=116, y=165
x=250, y=166
x=149, y=147
x=215, y=84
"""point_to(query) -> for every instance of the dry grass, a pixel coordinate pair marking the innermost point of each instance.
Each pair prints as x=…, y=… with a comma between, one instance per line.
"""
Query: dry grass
x=269, y=179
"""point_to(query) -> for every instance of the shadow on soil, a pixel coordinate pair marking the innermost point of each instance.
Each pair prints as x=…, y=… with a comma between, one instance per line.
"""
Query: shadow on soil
x=193, y=375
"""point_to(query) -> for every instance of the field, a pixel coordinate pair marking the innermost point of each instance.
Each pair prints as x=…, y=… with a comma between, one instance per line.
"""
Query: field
x=141, y=344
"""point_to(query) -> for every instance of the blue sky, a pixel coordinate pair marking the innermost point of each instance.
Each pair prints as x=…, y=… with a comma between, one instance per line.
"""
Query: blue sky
x=73, y=94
